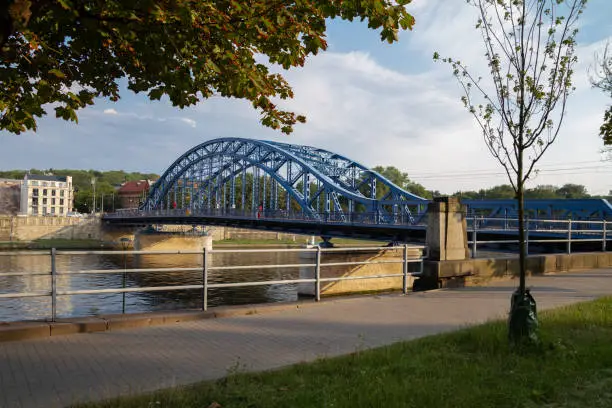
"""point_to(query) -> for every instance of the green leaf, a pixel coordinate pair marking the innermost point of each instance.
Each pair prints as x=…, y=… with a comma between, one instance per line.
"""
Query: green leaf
x=57, y=73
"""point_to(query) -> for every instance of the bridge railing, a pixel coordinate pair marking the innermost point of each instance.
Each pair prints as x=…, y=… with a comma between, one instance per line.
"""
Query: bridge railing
x=548, y=231
x=55, y=289
x=370, y=218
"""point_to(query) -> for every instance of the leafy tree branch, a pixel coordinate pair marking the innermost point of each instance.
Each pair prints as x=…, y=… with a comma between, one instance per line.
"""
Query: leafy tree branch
x=66, y=53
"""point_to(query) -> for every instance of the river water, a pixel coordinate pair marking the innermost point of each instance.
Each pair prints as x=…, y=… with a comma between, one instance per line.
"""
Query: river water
x=39, y=308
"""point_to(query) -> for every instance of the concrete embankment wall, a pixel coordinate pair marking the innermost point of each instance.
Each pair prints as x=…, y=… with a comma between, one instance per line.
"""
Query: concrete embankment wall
x=31, y=228
x=358, y=285
x=481, y=271
x=171, y=242
x=221, y=233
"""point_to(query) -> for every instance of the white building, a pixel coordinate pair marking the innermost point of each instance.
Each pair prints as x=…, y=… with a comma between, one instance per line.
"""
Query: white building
x=46, y=195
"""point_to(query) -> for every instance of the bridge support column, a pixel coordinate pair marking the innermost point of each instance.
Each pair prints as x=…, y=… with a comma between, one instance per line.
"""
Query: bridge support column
x=171, y=241
x=358, y=285
x=447, y=230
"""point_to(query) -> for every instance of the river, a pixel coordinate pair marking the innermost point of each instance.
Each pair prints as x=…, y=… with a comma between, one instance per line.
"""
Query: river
x=39, y=308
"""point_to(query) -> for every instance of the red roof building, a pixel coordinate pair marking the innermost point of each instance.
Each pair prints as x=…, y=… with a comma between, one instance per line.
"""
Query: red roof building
x=133, y=193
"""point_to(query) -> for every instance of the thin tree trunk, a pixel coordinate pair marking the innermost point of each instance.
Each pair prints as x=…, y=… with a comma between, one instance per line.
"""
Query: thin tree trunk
x=519, y=161
x=521, y=221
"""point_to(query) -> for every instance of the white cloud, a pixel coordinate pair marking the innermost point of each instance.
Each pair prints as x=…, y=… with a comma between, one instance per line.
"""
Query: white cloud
x=409, y=117
x=188, y=121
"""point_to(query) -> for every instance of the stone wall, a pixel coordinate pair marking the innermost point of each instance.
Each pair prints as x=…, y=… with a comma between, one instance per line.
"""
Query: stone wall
x=358, y=285
x=220, y=233
x=17, y=228
x=170, y=242
x=481, y=271
x=21, y=228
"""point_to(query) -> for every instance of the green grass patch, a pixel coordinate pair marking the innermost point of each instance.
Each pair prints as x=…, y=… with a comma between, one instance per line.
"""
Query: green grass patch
x=238, y=241
x=68, y=244
x=300, y=240
x=12, y=245
x=473, y=367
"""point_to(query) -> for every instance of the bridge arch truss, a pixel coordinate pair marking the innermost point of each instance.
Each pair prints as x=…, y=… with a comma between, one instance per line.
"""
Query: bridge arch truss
x=255, y=178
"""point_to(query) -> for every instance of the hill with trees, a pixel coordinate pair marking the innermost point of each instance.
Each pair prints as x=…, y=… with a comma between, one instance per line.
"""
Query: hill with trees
x=106, y=184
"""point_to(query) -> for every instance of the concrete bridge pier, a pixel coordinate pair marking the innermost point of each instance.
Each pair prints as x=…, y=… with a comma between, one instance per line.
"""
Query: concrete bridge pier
x=447, y=230
x=171, y=241
x=359, y=285
x=447, y=244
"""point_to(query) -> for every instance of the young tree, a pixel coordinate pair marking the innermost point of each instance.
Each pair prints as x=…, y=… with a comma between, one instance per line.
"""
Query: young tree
x=602, y=79
x=530, y=51
x=68, y=52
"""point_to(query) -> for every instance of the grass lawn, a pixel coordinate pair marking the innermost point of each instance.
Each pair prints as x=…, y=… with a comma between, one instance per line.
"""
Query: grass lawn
x=473, y=367
x=66, y=244
x=299, y=241
x=240, y=241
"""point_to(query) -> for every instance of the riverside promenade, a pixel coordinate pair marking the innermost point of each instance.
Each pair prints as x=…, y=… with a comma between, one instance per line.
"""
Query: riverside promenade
x=60, y=370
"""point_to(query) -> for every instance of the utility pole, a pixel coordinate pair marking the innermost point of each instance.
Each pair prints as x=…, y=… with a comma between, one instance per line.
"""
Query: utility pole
x=93, y=183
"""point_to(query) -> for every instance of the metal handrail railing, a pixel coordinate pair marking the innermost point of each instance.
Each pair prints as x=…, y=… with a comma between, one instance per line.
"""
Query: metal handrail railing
x=572, y=235
x=205, y=269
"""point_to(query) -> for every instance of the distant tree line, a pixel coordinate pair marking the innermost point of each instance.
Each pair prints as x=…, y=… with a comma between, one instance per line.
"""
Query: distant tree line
x=402, y=180
x=497, y=192
x=546, y=191
x=106, y=184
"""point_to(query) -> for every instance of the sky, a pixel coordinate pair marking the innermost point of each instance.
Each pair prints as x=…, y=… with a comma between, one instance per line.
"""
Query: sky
x=376, y=103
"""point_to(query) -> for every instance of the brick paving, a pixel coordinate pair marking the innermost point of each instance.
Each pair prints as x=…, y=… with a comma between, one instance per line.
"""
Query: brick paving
x=57, y=371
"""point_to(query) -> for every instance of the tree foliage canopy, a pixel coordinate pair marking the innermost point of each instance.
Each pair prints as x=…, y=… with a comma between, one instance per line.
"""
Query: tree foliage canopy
x=68, y=52
x=107, y=183
x=530, y=52
x=400, y=179
x=545, y=191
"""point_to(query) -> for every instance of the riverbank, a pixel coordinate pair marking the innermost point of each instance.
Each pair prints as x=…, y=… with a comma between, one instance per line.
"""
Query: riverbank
x=472, y=367
x=226, y=243
x=56, y=243
x=141, y=360
x=298, y=242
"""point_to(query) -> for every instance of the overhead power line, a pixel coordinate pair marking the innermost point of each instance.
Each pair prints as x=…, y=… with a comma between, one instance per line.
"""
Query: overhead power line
x=497, y=169
x=494, y=173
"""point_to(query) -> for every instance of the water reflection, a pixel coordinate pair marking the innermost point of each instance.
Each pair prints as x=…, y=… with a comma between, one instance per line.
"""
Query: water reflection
x=81, y=305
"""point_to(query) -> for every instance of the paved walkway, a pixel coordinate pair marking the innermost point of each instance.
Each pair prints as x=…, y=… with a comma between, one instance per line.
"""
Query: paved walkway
x=57, y=371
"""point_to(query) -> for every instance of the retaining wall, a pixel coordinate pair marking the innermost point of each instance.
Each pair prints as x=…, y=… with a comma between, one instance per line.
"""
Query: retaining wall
x=359, y=285
x=480, y=271
x=29, y=228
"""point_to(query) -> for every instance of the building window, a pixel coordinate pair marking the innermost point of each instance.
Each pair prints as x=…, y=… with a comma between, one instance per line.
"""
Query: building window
x=62, y=193
x=53, y=201
x=53, y=184
x=34, y=210
x=44, y=210
x=44, y=201
x=53, y=192
x=35, y=192
x=45, y=192
x=61, y=201
x=61, y=210
x=52, y=210
x=45, y=184
x=35, y=201
x=34, y=183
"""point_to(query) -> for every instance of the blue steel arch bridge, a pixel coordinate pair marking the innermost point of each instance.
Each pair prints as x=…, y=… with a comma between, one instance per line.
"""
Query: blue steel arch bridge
x=285, y=187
